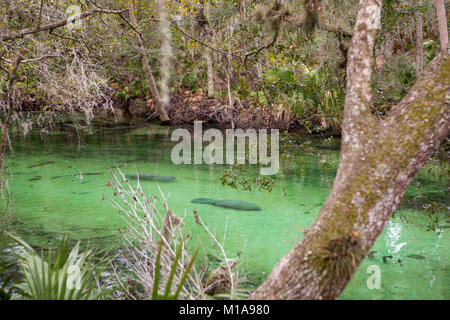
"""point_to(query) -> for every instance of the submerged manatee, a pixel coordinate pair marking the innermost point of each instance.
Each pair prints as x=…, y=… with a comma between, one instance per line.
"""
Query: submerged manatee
x=416, y=256
x=150, y=177
x=231, y=204
x=78, y=175
x=41, y=164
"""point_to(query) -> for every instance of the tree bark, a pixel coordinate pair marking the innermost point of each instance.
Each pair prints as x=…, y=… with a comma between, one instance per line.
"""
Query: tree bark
x=166, y=54
x=419, y=43
x=209, y=62
x=10, y=101
x=160, y=109
x=378, y=160
x=442, y=24
x=210, y=72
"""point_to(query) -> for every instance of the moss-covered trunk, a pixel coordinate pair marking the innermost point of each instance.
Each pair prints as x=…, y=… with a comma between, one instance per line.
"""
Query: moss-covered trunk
x=378, y=160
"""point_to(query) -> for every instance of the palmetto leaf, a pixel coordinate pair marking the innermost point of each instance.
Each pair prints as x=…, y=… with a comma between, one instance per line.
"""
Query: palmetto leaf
x=71, y=276
x=173, y=269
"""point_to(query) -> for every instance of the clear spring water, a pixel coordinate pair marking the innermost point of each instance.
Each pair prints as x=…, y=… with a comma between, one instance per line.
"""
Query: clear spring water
x=45, y=208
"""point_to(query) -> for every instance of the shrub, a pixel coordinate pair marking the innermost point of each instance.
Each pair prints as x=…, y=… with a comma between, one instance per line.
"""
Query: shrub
x=393, y=80
x=69, y=276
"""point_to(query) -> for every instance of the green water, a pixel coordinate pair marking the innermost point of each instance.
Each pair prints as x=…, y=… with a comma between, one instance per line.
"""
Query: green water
x=45, y=208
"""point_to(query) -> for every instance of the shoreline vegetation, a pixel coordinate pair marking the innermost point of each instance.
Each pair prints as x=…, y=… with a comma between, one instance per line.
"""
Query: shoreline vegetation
x=188, y=107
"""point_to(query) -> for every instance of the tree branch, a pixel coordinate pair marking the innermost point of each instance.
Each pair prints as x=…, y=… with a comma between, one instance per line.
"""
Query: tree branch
x=51, y=26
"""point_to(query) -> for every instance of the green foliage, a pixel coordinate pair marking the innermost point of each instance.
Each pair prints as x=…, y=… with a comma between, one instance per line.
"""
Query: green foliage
x=431, y=49
x=136, y=88
x=393, y=80
x=167, y=290
x=190, y=81
x=312, y=101
x=69, y=275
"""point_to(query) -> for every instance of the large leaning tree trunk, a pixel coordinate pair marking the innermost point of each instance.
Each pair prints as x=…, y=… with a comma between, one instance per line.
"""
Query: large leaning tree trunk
x=159, y=105
x=378, y=160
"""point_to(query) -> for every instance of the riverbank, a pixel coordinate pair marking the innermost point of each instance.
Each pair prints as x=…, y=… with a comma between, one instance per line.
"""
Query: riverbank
x=187, y=107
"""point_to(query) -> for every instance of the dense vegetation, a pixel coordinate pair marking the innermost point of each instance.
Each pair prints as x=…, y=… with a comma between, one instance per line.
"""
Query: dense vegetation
x=281, y=56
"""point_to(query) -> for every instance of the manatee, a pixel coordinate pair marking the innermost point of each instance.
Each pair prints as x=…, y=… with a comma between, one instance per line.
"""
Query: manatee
x=24, y=172
x=203, y=201
x=231, y=204
x=78, y=174
x=400, y=262
x=41, y=164
x=416, y=256
x=150, y=177
x=36, y=178
x=386, y=257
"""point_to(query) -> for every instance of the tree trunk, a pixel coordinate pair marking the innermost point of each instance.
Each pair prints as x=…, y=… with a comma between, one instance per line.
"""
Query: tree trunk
x=209, y=62
x=210, y=72
x=10, y=101
x=378, y=160
x=166, y=54
x=419, y=43
x=442, y=24
x=160, y=109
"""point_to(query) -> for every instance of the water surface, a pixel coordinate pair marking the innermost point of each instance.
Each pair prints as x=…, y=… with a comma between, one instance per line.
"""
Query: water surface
x=45, y=207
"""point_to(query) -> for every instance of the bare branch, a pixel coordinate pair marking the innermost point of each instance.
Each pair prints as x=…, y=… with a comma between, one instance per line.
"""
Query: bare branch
x=51, y=26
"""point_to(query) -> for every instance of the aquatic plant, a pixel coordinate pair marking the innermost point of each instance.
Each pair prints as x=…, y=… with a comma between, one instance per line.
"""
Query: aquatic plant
x=69, y=275
x=156, y=251
x=167, y=291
